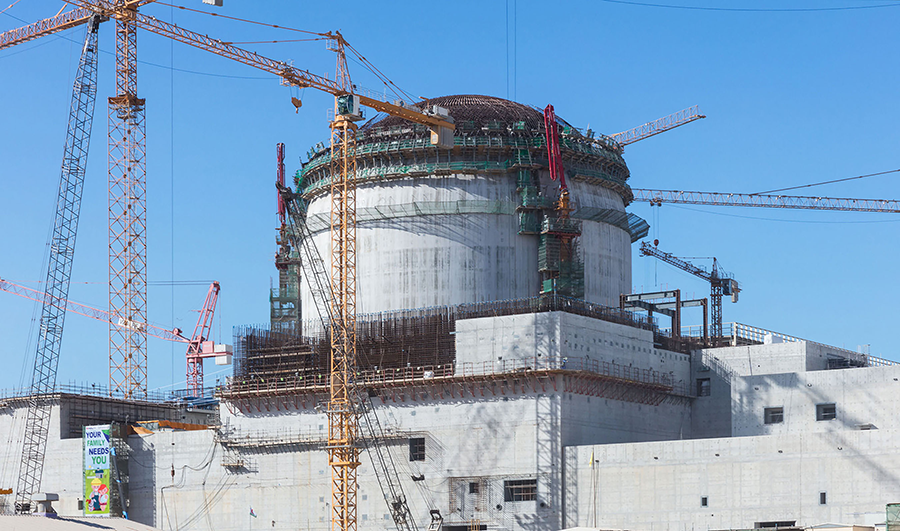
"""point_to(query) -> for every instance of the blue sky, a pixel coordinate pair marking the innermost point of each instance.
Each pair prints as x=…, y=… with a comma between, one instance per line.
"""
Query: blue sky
x=792, y=97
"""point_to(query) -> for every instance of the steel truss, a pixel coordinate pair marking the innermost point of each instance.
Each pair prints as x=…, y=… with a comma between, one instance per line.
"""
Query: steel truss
x=59, y=270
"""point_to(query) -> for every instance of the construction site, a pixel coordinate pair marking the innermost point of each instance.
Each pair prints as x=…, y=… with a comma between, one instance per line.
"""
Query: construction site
x=454, y=340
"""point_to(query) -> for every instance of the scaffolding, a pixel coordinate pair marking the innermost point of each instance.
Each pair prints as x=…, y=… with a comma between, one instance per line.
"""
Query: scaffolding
x=404, y=355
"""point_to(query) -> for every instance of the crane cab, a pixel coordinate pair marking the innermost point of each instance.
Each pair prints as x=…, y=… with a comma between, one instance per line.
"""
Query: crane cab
x=347, y=107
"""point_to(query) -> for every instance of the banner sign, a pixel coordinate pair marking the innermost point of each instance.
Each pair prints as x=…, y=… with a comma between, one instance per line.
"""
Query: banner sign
x=96, y=493
x=96, y=470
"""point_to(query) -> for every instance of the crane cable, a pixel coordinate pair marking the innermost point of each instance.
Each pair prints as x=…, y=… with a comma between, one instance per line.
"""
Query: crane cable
x=826, y=182
x=402, y=94
x=276, y=26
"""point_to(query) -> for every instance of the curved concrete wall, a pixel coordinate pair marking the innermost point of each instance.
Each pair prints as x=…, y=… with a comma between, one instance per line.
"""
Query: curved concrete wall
x=436, y=257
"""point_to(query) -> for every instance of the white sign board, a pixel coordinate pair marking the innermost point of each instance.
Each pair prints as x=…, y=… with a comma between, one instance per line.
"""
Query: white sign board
x=96, y=447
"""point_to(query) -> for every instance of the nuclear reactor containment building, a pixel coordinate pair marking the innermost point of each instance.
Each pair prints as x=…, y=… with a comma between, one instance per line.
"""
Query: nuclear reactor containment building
x=478, y=222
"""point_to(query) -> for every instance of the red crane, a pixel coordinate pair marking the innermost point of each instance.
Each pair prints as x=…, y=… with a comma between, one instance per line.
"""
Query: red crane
x=198, y=346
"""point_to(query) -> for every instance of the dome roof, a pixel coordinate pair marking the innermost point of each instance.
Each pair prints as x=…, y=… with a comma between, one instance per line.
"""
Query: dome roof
x=477, y=111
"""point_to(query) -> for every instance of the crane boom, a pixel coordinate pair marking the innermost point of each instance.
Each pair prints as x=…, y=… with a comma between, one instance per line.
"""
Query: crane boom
x=658, y=126
x=57, y=23
x=47, y=26
x=290, y=74
x=843, y=204
x=89, y=311
x=59, y=270
x=314, y=272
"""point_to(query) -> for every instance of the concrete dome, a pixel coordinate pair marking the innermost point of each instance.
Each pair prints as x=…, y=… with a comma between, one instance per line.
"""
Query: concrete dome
x=469, y=224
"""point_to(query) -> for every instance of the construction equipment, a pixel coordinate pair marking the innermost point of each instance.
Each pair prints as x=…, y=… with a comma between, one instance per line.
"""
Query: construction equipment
x=720, y=283
x=648, y=302
x=561, y=271
x=198, y=346
x=297, y=231
x=557, y=171
x=661, y=125
x=284, y=308
x=843, y=204
x=59, y=269
x=127, y=193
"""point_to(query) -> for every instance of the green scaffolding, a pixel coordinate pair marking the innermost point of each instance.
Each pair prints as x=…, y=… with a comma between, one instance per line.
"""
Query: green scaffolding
x=530, y=222
x=892, y=518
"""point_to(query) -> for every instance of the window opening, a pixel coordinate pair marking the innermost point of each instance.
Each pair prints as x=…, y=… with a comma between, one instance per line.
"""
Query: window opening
x=826, y=412
x=773, y=415
x=515, y=490
x=417, y=449
x=703, y=386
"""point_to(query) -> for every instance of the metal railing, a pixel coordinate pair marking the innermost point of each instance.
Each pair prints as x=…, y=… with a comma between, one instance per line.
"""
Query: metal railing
x=738, y=332
x=101, y=391
x=427, y=374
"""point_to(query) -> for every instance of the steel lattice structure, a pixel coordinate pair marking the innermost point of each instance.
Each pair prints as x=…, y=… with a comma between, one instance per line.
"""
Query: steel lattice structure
x=658, y=126
x=127, y=221
x=844, y=204
x=719, y=283
x=127, y=216
x=59, y=270
x=196, y=352
x=343, y=414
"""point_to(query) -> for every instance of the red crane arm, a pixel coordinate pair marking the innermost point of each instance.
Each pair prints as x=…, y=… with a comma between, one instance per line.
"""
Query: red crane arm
x=205, y=321
x=93, y=313
x=551, y=129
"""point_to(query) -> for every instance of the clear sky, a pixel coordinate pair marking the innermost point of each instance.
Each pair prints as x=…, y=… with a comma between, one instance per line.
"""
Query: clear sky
x=796, y=92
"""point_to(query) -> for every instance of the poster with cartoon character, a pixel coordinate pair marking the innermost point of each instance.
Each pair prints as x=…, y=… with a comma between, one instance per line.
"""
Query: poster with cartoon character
x=96, y=493
x=95, y=440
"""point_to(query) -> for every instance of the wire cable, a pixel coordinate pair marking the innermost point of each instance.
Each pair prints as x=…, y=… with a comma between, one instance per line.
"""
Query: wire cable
x=785, y=220
x=750, y=9
x=7, y=8
x=827, y=182
x=276, y=26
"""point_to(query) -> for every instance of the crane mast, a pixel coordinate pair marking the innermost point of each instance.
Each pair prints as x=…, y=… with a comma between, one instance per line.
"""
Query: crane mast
x=127, y=216
x=343, y=415
x=59, y=270
x=719, y=284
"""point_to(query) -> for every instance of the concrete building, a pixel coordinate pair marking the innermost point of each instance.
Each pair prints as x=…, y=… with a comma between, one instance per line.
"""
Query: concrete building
x=509, y=393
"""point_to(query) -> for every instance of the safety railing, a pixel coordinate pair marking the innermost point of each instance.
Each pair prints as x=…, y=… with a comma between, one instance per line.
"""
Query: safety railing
x=425, y=374
x=100, y=391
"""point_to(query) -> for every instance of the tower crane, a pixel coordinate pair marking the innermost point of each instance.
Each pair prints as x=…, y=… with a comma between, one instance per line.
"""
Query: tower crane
x=59, y=269
x=720, y=283
x=127, y=192
x=128, y=217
